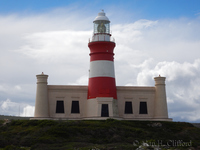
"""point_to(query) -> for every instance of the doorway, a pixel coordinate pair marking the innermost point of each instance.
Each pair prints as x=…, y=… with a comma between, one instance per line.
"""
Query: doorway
x=104, y=110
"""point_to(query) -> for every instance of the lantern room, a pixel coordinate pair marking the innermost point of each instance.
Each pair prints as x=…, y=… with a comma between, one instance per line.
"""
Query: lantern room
x=101, y=28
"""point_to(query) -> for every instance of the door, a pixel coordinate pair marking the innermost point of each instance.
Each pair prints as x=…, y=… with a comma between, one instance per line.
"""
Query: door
x=104, y=110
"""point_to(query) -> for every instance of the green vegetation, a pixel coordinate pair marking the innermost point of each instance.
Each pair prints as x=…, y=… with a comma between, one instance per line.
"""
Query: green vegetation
x=93, y=134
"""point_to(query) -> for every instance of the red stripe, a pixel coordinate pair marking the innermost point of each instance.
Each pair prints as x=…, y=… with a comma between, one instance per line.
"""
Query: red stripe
x=101, y=50
x=102, y=87
x=101, y=56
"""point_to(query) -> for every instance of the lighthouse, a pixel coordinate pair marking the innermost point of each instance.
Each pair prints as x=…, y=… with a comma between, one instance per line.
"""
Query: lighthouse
x=101, y=98
x=101, y=73
x=102, y=86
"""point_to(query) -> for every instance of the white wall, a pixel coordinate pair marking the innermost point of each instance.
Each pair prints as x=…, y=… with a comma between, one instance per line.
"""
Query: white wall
x=91, y=109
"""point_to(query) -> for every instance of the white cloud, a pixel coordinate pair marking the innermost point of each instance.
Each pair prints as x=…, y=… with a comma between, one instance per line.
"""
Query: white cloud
x=83, y=80
x=28, y=111
x=182, y=86
x=9, y=107
x=167, y=40
x=7, y=104
x=18, y=87
x=172, y=70
x=56, y=44
x=65, y=51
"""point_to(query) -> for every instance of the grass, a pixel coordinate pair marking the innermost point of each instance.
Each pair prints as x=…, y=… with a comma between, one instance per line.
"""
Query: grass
x=92, y=134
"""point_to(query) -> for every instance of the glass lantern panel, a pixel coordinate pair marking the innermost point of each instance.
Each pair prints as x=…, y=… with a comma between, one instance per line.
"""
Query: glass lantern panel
x=101, y=26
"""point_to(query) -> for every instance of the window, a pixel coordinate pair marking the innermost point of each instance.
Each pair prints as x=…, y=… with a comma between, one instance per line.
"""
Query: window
x=143, y=107
x=75, y=107
x=104, y=110
x=128, y=108
x=60, y=107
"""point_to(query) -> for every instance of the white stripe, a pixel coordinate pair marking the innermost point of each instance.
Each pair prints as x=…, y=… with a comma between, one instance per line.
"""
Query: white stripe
x=102, y=68
x=101, y=37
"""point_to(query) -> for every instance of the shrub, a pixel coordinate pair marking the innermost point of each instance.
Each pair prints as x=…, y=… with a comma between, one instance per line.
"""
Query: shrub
x=12, y=147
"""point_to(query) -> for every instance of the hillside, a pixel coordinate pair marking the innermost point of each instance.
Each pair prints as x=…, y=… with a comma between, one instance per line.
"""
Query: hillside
x=90, y=134
x=2, y=117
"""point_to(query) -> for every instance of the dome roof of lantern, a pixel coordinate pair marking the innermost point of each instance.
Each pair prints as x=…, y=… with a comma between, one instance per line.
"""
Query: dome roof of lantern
x=102, y=16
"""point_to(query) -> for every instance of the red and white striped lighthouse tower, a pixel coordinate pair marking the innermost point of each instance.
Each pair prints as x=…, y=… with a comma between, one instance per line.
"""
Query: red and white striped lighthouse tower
x=101, y=73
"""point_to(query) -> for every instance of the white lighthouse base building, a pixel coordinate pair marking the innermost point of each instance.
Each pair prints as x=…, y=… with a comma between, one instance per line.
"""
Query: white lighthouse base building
x=70, y=102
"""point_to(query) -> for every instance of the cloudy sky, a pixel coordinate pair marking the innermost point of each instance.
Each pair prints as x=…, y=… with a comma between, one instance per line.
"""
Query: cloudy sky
x=152, y=37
